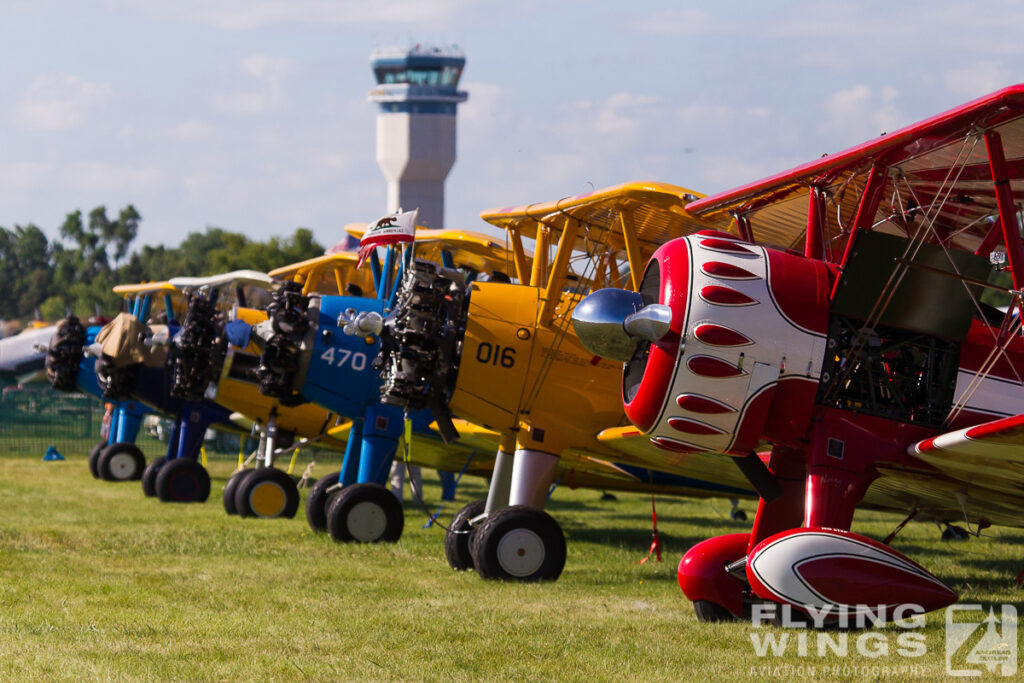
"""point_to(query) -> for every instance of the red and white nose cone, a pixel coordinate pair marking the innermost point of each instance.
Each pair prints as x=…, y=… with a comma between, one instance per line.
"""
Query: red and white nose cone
x=647, y=378
x=840, y=570
x=748, y=333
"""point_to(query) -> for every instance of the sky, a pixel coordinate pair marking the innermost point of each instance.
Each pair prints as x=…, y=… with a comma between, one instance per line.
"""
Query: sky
x=251, y=115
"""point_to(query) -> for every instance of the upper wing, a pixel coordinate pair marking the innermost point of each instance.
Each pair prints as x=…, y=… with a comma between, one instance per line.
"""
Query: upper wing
x=654, y=210
x=468, y=249
x=330, y=274
x=937, y=169
x=619, y=226
x=235, y=277
x=144, y=288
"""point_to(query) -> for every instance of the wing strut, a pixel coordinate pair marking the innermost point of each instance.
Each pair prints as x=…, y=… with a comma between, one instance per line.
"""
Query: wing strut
x=1007, y=213
x=813, y=241
x=869, y=201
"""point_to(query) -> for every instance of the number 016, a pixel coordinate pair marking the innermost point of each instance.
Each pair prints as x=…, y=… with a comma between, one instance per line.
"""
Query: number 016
x=496, y=355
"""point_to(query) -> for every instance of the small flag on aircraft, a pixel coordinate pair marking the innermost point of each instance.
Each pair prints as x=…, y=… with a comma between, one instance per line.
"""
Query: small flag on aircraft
x=391, y=229
x=346, y=243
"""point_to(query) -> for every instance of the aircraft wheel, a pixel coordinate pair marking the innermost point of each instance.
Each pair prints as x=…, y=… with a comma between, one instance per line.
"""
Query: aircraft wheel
x=182, y=480
x=231, y=490
x=149, y=476
x=954, y=533
x=267, y=493
x=365, y=513
x=316, y=501
x=120, y=462
x=94, y=459
x=459, y=536
x=738, y=515
x=710, y=612
x=519, y=543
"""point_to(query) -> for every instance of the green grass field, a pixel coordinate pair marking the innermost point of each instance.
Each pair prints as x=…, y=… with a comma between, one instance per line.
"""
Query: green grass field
x=98, y=582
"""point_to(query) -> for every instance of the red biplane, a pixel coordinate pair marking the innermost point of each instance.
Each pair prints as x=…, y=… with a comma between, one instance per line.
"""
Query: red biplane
x=840, y=320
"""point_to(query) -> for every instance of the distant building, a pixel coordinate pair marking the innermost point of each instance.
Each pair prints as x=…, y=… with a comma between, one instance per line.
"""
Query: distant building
x=417, y=91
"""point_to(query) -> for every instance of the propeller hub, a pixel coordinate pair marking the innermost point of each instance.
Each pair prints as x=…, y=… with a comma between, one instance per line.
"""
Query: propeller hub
x=611, y=322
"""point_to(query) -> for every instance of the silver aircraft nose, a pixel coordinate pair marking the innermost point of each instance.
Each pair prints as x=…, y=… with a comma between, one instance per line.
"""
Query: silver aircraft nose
x=611, y=322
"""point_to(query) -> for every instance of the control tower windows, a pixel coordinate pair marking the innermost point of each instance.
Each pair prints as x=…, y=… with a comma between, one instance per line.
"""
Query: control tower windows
x=447, y=76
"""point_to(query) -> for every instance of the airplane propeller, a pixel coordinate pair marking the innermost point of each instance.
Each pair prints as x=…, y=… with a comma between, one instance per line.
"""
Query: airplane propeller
x=611, y=322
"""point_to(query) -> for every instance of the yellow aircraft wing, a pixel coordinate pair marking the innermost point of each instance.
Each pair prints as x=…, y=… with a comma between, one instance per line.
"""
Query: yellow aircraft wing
x=629, y=220
x=709, y=472
x=330, y=274
x=143, y=288
x=700, y=475
x=468, y=249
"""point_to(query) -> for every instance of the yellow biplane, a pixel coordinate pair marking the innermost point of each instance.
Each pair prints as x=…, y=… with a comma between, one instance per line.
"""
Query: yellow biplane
x=505, y=356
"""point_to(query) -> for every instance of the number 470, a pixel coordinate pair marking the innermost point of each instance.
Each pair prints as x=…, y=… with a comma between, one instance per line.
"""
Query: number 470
x=357, y=359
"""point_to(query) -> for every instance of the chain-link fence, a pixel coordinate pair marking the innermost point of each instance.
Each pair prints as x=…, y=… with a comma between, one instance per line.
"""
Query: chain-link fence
x=34, y=418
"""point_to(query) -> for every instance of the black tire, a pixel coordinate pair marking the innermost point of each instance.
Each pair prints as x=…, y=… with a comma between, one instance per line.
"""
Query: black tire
x=738, y=516
x=365, y=513
x=458, y=538
x=182, y=480
x=121, y=461
x=316, y=501
x=711, y=612
x=149, y=476
x=231, y=488
x=954, y=533
x=94, y=459
x=241, y=504
x=519, y=543
x=268, y=493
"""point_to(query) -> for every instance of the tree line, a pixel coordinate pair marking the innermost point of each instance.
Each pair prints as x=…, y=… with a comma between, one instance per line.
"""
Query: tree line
x=77, y=272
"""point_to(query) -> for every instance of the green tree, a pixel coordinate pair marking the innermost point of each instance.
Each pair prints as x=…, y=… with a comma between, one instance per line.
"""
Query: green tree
x=24, y=269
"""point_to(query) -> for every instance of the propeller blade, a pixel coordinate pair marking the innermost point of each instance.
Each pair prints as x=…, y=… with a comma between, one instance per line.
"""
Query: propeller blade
x=760, y=477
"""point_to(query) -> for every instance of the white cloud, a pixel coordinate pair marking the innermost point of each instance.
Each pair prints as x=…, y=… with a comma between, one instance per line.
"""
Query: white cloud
x=193, y=130
x=249, y=14
x=270, y=74
x=683, y=22
x=485, y=101
x=623, y=115
x=24, y=175
x=861, y=113
x=720, y=172
x=203, y=185
x=239, y=102
x=59, y=102
x=105, y=178
x=978, y=79
x=270, y=69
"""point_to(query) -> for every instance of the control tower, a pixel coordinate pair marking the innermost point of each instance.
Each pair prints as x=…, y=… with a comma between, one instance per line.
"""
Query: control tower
x=417, y=91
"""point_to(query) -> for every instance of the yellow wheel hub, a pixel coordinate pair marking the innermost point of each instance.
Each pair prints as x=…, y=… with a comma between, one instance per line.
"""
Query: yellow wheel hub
x=267, y=499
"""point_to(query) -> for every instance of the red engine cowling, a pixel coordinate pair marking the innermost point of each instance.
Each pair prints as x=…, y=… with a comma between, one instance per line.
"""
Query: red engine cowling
x=744, y=356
